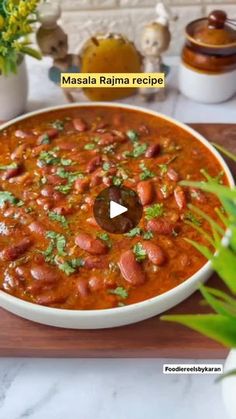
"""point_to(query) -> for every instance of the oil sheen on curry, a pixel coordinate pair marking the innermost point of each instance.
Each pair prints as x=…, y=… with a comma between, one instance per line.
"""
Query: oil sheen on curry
x=52, y=167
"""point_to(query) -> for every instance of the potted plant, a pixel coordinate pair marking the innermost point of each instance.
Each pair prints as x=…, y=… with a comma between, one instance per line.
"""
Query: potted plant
x=16, y=19
x=221, y=251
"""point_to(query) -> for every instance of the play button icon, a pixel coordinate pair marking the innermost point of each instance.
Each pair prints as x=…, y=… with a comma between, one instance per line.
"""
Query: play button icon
x=117, y=209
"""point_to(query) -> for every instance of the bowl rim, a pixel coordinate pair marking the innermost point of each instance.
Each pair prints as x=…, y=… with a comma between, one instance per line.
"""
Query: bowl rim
x=113, y=312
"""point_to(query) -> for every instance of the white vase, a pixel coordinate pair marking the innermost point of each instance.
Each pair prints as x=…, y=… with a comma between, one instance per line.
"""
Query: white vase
x=13, y=93
x=229, y=385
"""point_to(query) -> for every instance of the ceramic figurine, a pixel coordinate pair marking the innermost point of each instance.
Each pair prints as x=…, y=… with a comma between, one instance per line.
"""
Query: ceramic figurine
x=53, y=42
x=155, y=41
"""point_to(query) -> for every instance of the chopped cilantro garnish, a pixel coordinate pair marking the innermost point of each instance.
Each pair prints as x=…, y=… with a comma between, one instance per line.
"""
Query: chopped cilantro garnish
x=58, y=241
x=163, y=169
x=69, y=267
x=117, y=181
x=146, y=173
x=155, y=210
x=106, y=166
x=90, y=146
x=120, y=292
x=66, y=162
x=132, y=135
x=45, y=139
x=59, y=125
x=50, y=158
x=139, y=252
x=147, y=235
x=106, y=238
x=65, y=189
x=57, y=217
x=189, y=216
x=136, y=231
x=138, y=150
x=9, y=166
x=6, y=196
x=70, y=176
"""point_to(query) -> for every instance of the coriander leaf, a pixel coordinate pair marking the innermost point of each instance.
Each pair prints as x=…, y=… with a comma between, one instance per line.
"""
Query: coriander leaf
x=48, y=158
x=163, y=169
x=106, y=166
x=106, y=238
x=57, y=217
x=147, y=235
x=69, y=267
x=117, y=181
x=137, y=151
x=155, y=210
x=59, y=125
x=44, y=139
x=136, y=231
x=90, y=146
x=65, y=189
x=120, y=292
x=146, y=173
x=132, y=135
x=66, y=162
x=139, y=252
x=6, y=196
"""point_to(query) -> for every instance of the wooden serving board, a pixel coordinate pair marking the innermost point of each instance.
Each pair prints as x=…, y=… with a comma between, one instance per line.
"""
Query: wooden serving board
x=150, y=338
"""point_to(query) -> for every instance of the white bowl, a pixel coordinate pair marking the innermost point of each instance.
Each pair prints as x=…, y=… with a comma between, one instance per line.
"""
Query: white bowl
x=96, y=319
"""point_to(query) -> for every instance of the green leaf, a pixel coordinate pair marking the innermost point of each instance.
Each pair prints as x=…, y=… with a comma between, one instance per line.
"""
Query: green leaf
x=139, y=252
x=9, y=166
x=90, y=146
x=120, y=292
x=154, y=211
x=224, y=263
x=6, y=196
x=146, y=173
x=207, y=218
x=201, y=248
x=215, y=326
x=224, y=151
x=202, y=232
x=219, y=190
x=59, y=125
x=221, y=307
x=132, y=135
x=136, y=231
x=57, y=217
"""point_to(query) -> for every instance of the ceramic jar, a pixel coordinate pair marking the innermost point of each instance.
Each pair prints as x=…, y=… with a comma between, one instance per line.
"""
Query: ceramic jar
x=13, y=92
x=208, y=64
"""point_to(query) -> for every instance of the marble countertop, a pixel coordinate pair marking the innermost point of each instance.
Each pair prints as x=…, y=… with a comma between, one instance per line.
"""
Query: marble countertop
x=110, y=388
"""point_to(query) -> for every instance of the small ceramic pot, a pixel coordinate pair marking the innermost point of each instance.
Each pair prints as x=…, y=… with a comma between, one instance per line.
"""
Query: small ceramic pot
x=208, y=64
x=14, y=91
x=229, y=386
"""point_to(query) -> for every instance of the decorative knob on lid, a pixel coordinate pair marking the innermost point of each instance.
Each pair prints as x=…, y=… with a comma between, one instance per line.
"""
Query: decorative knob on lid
x=217, y=19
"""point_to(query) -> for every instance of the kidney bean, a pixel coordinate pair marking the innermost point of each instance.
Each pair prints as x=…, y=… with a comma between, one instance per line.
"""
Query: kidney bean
x=91, y=245
x=14, y=251
x=96, y=283
x=51, y=134
x=22, y=134
x=92, y=262
x=161, y=226
x=44, y=273
x=115, y=194
x=18, y=153
x=180, y=198
x=67, y=145
x=12, y=172
x=93, y=164
x=79, y=124
x=92, y=221
x=106, y=139
x=81, y=185
x=63, y=209
x=37, y=228
x=172, y=174
x=153, y=150
x=96, y=179
x=83, y=287
x=131, y=270
x=37, y=150
x=25, y=179
x=56, y=180
x=145, y=191
x=57, y=196
x=46, y=203
x=47, y=191
x=47, y=299
x=155, y=253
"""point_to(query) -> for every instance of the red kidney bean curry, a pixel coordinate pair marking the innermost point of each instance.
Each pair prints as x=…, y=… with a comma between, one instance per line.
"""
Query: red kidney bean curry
x=52, y=167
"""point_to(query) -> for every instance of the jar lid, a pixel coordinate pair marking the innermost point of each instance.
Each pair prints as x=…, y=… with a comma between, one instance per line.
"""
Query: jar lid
x=215, y=30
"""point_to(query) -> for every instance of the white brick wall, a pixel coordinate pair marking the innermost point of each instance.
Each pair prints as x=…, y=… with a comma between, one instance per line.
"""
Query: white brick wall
x=82, y=18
